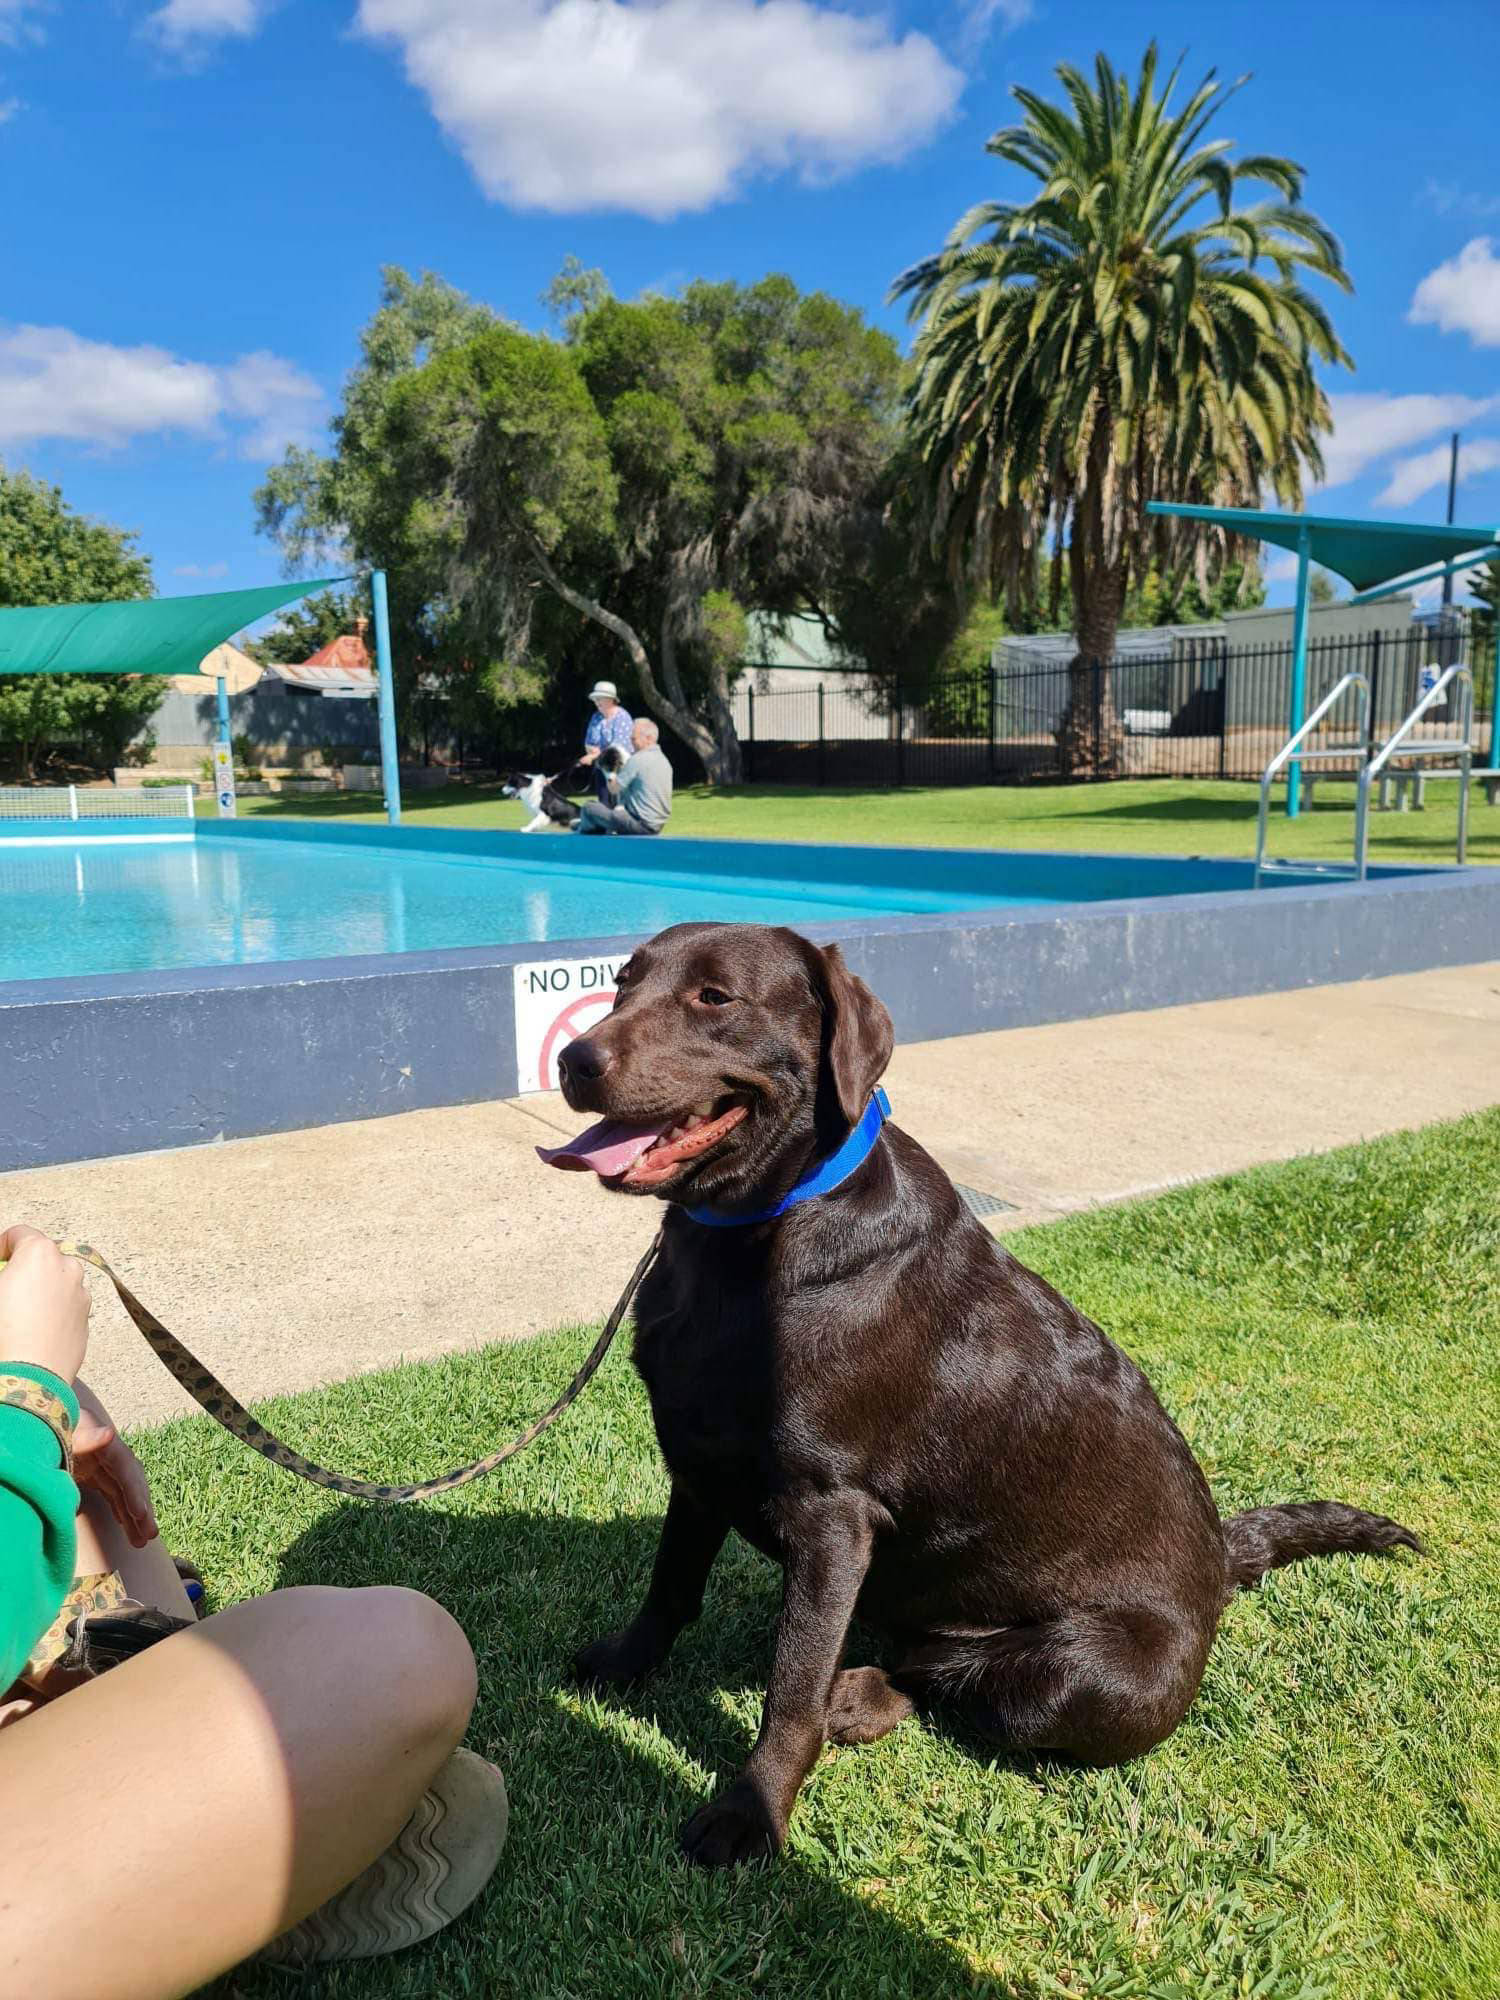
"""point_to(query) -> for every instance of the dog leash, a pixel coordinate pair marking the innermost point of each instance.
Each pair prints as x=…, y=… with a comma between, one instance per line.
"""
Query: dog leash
x=209, y=1392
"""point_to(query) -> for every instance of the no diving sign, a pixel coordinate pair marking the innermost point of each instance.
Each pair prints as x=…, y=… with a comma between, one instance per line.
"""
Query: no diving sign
x=556, y=1001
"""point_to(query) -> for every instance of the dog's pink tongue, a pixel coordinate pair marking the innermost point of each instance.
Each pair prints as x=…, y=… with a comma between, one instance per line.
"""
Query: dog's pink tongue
x=606, y=1149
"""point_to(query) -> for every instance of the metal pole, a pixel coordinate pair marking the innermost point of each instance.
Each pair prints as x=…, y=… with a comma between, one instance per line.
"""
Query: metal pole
x=1299, y=672
x=1494, y=758
x=223, y=759
x=390, y=771
x=1452, y=492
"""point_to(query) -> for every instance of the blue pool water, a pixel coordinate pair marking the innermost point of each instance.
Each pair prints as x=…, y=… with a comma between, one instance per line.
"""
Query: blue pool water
x=80, y=908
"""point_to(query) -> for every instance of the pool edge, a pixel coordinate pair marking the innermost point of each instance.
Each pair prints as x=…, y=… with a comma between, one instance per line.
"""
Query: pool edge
x=119, y=1063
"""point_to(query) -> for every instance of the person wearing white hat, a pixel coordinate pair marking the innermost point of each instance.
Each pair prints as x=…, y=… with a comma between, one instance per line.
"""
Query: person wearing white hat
x=609, y=727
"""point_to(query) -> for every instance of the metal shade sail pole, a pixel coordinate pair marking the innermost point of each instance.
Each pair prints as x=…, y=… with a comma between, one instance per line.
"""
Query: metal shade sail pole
x=390, y=771
x=223, y=757
x=1299, y=671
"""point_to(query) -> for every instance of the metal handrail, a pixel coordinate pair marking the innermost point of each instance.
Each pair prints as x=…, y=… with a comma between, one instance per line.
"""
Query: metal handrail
x=1291, y=751
x=1462, y=745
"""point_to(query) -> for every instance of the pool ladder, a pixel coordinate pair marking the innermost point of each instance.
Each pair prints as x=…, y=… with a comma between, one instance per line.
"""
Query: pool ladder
x=1295, y=751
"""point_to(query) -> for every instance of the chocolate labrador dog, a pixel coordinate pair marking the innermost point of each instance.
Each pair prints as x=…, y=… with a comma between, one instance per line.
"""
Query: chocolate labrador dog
x=881, y=1399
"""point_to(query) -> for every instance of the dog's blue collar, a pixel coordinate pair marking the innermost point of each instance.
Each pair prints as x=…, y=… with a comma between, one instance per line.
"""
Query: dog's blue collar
x=821, y=1179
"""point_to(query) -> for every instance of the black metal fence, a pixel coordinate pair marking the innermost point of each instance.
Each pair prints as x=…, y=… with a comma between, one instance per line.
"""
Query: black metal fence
x=1199, y=708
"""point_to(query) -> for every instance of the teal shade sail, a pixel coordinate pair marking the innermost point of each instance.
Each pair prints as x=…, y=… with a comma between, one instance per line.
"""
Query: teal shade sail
x=1364, y=552
x=137, y=635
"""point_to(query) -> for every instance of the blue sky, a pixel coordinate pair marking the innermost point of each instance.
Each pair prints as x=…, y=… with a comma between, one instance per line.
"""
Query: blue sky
x=201, y=194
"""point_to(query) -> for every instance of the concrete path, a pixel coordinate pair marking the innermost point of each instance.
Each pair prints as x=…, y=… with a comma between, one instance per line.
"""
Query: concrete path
x=309, y=1256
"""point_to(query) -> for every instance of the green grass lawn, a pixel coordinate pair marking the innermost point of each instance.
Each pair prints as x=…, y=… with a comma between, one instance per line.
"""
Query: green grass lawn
x=1325, y=1821
x=1135, y=816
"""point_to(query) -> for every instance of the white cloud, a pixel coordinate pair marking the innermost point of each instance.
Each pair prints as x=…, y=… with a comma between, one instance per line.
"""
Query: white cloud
x=188, y=26
x=203, y=570
x=1463, y=295
x=1412, y=477
x=666, y=107
x=57, y=384
x=1280, y=568
x=1368, y=428
x=281, y=405
x=1448, y=198
x=18, y=23
x=981, y=15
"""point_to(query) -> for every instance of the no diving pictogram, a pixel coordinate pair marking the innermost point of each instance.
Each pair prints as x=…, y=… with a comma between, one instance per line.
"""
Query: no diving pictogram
x=578, y=1016
x=555, y=1001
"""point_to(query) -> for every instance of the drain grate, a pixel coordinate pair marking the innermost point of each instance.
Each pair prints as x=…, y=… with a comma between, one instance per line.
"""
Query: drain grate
x=981, y=1204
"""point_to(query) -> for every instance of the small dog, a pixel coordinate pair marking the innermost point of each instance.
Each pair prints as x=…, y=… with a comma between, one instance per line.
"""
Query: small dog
x=540, y=795
x=546, y=797
x=875, y=1394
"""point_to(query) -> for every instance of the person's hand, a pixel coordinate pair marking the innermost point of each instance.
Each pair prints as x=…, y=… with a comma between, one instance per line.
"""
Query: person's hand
x=44, y=1303
x=589, y=756
x=104, y=1464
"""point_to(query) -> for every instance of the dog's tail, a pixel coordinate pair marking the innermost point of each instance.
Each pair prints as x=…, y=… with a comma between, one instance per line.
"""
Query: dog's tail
x=1266, y=1537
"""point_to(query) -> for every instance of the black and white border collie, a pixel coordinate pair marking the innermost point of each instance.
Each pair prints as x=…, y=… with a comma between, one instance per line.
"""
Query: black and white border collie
x=543, y=796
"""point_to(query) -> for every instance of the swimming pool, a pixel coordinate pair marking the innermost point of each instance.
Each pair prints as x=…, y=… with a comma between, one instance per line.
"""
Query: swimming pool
x=224, y=979
x=74, y=906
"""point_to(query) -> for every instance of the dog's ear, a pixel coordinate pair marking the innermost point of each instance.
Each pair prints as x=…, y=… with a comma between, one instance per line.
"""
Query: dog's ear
x=858, y=1035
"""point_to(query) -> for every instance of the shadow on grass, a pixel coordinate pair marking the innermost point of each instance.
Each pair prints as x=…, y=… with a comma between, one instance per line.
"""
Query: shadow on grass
x=592, y=1896
x=1186, y=809
x=344, y=805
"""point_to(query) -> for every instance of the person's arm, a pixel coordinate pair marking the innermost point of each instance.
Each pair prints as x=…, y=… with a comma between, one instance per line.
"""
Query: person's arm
x=44, y=1310
x=621, y=781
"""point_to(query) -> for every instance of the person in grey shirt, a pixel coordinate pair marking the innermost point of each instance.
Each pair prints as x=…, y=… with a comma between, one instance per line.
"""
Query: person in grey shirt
x=642, y=790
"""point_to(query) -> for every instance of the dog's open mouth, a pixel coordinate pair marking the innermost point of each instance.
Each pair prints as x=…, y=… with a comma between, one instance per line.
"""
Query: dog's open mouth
x=647, y=1155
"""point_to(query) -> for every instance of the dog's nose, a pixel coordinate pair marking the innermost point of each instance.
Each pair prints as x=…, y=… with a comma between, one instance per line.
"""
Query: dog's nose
x=583, y=1061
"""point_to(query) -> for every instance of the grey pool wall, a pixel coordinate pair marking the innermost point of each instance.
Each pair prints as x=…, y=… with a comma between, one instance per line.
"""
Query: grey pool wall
x=131, y=1062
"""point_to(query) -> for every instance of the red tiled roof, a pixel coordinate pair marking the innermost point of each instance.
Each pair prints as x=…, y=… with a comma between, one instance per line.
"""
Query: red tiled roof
x=347, y=652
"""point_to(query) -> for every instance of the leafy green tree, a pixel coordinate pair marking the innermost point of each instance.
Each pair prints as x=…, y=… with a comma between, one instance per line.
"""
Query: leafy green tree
x=748, y=429
x=348, y=502
x=1128, y=333
x=575, y=292
x=1323, y=588
x=300, y=630
x=675, y=464
x=51, y=555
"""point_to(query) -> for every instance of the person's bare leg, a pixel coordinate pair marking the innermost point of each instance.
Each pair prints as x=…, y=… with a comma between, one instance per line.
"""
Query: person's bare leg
x=165, y=1821
x=149, y=1574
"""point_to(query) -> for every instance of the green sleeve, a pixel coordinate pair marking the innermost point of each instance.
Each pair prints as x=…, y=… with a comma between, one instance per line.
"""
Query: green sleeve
x=38, y=1531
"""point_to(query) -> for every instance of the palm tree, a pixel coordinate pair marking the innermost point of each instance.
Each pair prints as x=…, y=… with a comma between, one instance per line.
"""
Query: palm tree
x=1111, y=341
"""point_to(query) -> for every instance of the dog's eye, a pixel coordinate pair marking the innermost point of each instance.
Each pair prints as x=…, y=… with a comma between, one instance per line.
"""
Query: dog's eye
x=712, y=996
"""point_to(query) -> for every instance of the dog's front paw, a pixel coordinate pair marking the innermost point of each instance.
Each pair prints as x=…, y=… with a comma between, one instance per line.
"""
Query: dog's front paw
x=738, y=1827
x=618, y=1660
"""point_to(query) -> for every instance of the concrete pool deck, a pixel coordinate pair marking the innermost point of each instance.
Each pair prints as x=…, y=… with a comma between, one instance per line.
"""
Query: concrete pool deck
x=308, y=1256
